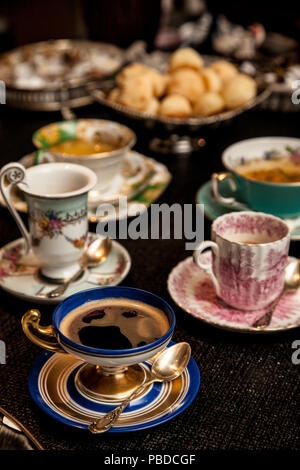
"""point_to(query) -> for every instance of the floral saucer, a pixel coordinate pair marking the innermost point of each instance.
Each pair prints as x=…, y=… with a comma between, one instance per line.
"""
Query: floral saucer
x=213, y=208
x=52, y=387
x=21, y=278
x=148, y=193
x=142, y=181
x=192, y=289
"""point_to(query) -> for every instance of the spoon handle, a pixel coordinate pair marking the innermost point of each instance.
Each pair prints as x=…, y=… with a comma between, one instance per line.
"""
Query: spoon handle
x=62, y=288
x=104, y=424
x=265, y=320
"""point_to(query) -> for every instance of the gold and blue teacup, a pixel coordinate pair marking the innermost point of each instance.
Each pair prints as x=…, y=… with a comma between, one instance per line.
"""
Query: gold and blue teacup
x=105, y=373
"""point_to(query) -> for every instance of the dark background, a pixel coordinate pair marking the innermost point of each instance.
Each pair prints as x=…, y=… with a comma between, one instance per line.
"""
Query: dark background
x=124, y=21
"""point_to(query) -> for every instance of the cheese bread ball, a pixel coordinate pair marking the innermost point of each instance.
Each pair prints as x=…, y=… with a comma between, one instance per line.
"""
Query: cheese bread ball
x=159, y=81
x=209, y=103
x=186, y=82
x=137, y=92
x=175, y=106
x=224, y=69
x=185, y=57
x=211, y=79
x=130, y=71
x=238, y=91
x=153, y=106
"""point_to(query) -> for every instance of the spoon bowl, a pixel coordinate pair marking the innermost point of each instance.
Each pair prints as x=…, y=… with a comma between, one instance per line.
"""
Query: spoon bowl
x=95, y=254
x=292, y=275
x=291, y=284
x=170, y=364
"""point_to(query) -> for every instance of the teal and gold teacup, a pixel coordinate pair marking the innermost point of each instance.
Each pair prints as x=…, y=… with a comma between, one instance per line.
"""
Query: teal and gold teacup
x=264, y=175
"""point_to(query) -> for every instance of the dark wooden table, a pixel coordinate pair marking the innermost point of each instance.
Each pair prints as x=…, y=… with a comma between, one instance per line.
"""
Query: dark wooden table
x=248, y=394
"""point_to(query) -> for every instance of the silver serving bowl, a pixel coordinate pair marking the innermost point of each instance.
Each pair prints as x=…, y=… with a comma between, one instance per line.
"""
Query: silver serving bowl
x=174, y=124
x=63, y=88
x=99, y=93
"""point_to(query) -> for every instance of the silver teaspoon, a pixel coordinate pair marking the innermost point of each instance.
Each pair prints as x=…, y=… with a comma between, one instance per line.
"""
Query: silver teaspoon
x=95, y=254
x=291, y=284
x=167, y=366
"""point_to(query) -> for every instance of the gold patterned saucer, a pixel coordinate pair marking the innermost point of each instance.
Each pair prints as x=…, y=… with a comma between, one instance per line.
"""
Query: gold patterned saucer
x=53, y=387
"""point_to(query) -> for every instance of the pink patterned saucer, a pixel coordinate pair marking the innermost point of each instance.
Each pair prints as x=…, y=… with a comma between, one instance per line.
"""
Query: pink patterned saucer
x=193, y=291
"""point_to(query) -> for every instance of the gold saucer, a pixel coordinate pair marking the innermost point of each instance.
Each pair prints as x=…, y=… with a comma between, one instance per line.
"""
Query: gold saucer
x=52, y=387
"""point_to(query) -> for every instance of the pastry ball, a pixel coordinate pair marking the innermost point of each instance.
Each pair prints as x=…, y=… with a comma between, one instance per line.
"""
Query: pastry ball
x=137, y=92
x=186, y=82
x=209, y=103
x=185, y=57
x=130, y=71
x=175, y=106
x=114, y=95
x=159, y=81
x=238, y=91
x=153, y=106
x=211, y=80
x=224, y=69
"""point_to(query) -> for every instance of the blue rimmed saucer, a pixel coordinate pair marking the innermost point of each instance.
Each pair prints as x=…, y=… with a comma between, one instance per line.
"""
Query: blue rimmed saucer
x=213, y=208
x=53, y=387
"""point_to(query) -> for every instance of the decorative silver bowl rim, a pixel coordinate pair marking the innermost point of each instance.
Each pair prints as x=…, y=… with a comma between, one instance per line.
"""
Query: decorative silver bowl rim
x=61, y=44
x=100, y=97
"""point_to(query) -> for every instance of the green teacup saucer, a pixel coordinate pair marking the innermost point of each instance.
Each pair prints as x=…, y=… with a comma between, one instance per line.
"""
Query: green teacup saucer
x=213, y=208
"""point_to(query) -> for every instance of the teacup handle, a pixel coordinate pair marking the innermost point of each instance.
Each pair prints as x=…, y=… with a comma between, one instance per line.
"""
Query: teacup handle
x=216, y=179
x=43, y=336
x=207, y=267
x=293, y=224
x=15, y=173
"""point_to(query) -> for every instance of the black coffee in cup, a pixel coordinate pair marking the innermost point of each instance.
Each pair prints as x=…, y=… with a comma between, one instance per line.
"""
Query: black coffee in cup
x=115, y=323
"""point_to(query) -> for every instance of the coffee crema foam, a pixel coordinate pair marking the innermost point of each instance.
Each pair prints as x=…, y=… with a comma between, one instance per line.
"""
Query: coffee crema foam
x=115, y=323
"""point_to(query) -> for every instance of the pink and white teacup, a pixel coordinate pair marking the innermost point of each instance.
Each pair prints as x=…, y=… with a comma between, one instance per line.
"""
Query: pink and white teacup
x=250, y=253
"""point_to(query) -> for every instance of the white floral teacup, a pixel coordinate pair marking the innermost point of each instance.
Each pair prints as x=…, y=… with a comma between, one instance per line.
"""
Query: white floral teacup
x=56, y=195
x=250, y=253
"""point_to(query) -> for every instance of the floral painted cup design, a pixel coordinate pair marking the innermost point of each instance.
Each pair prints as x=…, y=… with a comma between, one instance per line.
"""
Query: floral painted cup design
x=250, y=253
x=56, y=195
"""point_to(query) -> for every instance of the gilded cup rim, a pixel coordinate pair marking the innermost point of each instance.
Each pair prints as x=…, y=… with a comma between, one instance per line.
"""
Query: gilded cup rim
x=127, y=133
x=90, y=174
x=253, y=214
x=257, y=140
x=109, y=292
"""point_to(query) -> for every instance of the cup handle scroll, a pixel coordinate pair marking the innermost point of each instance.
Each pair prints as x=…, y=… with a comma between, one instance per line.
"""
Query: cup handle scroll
x=43, y=336
x=15, y=173
x=207, y=267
